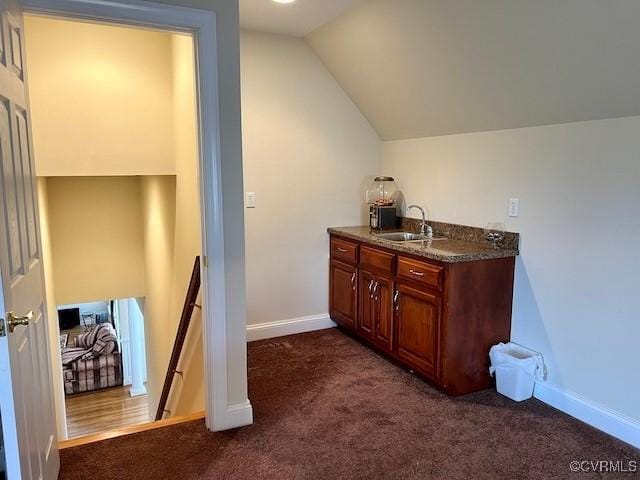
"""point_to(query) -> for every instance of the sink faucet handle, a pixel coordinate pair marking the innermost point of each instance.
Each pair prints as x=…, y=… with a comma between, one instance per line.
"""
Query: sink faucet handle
x=429, y=231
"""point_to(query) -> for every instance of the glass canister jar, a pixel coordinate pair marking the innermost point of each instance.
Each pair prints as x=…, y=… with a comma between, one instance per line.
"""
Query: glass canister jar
x=383, y=192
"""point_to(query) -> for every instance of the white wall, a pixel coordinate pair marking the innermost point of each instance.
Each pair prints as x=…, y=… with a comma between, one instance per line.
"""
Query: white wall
x=101, y=98
x=577, y=275
x=307, y=154
x=96, y=238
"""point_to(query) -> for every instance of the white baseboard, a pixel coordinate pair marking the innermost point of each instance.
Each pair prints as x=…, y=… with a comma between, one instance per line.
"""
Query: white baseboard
x=292, y=326
x=597, y=416
x=137, y=393
x=236, y=415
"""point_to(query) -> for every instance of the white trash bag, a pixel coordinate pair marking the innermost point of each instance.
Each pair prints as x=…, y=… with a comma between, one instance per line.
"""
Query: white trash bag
x=517, y=369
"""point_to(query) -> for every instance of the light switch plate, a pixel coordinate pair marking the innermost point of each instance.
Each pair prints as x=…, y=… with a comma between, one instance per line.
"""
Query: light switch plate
x=514, y=207
x=250, y=201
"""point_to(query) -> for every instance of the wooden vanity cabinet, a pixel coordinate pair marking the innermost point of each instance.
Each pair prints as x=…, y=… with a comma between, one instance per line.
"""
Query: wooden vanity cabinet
x=375, y=316
x=438, y=319
x=366, y=305
x=383, y=319
x=417, y=321
x=343, y=293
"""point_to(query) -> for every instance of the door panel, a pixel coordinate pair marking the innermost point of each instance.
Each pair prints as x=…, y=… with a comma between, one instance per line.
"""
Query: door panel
x=366, y=303
x=29, y=189
x=383, y=323
x=343, y=293
x=10, y=195
x=3, y=50
x=15, y=42
x=418, y=318
x=26, y=396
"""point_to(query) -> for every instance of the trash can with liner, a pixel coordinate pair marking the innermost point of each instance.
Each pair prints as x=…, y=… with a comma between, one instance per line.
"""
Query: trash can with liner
x=517, y=369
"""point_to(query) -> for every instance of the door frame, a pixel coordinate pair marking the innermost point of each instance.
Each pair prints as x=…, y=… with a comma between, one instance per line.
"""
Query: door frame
x=226, y=401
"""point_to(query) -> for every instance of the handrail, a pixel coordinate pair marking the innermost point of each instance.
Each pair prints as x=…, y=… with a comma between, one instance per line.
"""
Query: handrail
x=181, y=334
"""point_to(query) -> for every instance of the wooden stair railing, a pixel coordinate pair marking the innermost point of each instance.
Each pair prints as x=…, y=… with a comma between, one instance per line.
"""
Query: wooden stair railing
x=183, y=328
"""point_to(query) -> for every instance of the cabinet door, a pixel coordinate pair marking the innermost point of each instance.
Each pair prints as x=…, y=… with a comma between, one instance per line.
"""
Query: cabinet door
x=383, y=318
x=343, y=293
x=367, y=304
x=418, y=317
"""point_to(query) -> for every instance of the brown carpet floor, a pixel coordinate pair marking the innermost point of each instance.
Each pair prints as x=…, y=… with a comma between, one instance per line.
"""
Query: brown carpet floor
x=326, y=407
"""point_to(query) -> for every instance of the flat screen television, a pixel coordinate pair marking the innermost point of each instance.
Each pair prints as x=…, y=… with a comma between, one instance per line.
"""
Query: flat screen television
x=68, y=318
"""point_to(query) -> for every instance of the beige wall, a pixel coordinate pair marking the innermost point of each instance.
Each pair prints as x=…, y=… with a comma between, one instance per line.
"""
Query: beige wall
x=188, y=390
x=101, y=99
x=52, y=314
x=158, y=216
x=307, y=154
x=135, y=238
x=577, y=274
x=96, y=238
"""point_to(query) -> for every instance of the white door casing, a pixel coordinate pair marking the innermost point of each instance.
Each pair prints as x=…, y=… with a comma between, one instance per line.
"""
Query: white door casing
x=121, y=320
x=224, y=324
x=136, y=348
x=26, y=394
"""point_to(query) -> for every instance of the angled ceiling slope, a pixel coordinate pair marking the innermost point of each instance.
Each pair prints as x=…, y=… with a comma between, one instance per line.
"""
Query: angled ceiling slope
x=419, y=68
x=297, y=18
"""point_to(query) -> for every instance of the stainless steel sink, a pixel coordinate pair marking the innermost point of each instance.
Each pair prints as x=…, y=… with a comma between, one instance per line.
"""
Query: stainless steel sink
x=402, y=237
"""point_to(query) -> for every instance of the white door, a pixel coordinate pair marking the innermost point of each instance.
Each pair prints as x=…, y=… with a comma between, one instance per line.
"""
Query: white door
x=26, y=395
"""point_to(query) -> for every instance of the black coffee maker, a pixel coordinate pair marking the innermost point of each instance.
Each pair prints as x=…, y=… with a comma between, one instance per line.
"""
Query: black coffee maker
x=381, y=198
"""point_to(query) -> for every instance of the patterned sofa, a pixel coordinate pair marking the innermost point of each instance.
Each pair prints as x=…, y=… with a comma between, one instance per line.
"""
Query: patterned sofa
x=93, y=361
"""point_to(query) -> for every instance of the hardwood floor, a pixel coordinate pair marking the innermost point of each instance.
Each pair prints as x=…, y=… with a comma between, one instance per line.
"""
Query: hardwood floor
x=104, y=410
x=129, y=430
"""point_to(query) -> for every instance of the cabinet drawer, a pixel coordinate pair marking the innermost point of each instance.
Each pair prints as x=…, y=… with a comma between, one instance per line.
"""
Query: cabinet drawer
x=344, y=250
x=420, y=272
x=376, y=259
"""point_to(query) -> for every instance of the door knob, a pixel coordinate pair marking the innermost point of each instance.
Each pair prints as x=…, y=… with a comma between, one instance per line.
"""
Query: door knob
x=13, y=321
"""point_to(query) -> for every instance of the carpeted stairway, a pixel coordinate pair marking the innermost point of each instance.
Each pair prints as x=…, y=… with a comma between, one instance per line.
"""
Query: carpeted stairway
x=327, y=408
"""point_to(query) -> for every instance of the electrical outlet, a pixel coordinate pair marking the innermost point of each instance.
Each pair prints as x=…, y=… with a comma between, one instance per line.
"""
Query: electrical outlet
x=514, y=207
x=250, y=201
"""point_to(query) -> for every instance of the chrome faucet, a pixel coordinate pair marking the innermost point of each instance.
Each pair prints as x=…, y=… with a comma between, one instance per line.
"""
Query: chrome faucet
x=424, y=229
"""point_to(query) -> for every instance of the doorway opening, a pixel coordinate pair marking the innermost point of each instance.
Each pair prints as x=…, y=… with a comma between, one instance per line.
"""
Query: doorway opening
x=103, y=365
x=116, y=157
x=27, y=402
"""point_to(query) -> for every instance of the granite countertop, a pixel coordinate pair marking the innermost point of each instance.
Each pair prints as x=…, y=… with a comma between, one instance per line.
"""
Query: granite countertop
x=448, y=250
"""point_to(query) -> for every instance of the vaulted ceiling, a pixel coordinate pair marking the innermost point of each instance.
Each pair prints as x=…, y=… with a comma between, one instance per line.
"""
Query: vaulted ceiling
x=298, y=18
x=420, y=68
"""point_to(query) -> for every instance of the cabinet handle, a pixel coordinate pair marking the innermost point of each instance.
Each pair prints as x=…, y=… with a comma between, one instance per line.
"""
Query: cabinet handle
x=395, y=300
x=353, y=280
x=416, y=273
x=370, y=285
x=342, y=250
x=375, y=288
